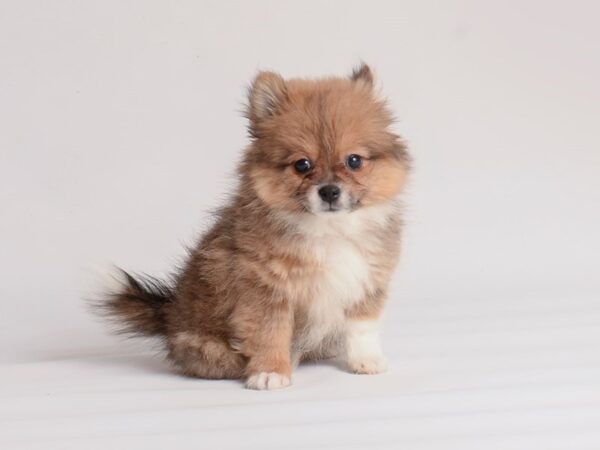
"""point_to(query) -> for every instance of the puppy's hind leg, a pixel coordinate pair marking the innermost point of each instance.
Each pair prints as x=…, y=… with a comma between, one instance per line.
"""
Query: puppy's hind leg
x=205, y=356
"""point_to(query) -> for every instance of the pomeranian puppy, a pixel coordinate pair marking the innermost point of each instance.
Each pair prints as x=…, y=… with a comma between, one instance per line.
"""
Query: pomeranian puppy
x=297, y=265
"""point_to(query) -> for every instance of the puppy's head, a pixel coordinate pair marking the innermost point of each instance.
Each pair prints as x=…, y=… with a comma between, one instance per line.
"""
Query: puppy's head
x=322, y=146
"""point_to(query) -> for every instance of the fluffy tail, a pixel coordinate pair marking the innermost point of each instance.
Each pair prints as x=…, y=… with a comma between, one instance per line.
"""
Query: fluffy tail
x=138, y=306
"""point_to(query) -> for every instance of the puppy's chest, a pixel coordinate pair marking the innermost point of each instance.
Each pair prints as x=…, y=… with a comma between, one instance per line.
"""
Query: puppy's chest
x=342, y=272
x=340, y=277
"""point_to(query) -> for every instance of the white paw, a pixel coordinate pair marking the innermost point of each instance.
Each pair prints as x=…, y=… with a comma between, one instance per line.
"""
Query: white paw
x=267, y=381
x=369, y=365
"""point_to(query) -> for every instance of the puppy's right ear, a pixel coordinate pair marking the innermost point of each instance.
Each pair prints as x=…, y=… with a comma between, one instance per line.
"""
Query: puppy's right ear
x=265, y=96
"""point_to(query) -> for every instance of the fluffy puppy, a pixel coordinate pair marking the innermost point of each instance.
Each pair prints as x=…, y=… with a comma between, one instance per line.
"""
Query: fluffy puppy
x=297, y=265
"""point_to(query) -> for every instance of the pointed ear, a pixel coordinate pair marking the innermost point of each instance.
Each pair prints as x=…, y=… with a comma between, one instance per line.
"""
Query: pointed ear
x=265, y=96
x=364, y=73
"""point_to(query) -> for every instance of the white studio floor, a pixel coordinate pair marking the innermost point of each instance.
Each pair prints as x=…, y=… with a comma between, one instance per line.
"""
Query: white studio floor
x=508, y=374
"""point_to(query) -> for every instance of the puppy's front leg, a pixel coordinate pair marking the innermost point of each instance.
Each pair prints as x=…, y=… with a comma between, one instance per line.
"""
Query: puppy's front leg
x=363, y=352
x=266, y=342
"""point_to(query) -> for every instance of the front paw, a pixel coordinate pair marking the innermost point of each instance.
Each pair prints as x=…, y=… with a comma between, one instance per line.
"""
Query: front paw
x=369, y=365
x=267, y=381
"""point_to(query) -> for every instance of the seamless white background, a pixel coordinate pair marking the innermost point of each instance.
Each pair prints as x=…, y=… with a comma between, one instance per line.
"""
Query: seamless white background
x=120, y=129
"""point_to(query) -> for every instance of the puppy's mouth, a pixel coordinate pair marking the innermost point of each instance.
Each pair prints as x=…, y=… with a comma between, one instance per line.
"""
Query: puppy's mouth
x=329, y=208
x=326, y=209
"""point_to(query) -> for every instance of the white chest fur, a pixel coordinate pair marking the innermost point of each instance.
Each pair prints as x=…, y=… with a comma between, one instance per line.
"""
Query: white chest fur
x=340, y=246
x=342, y=281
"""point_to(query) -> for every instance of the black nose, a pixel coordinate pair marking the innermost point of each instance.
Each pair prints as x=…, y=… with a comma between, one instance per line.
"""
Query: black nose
x=330, y=193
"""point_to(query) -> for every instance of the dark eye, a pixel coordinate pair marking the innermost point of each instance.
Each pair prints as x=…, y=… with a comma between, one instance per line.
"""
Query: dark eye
x=302, y=165
x=354, y=162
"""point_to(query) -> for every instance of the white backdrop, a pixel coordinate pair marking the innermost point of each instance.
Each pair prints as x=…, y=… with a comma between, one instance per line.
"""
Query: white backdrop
x=120, y=128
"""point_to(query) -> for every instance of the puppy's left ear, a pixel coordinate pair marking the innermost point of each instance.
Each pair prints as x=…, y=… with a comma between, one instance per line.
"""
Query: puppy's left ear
x=363, y=74
x=265, y=96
